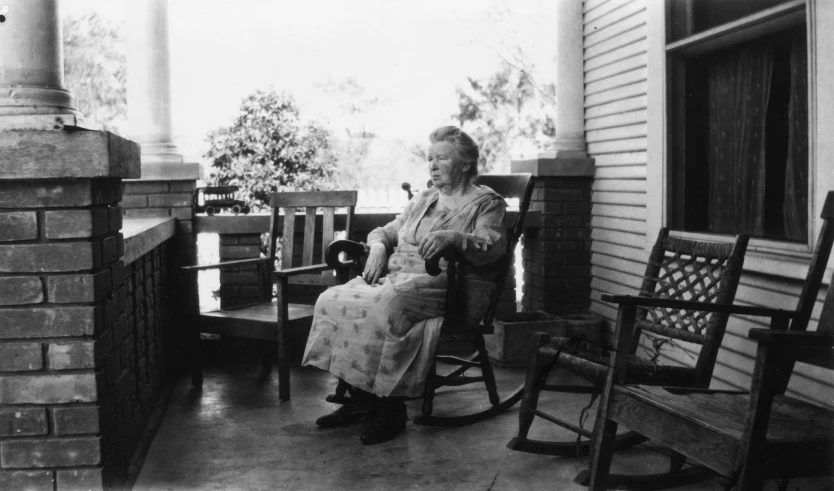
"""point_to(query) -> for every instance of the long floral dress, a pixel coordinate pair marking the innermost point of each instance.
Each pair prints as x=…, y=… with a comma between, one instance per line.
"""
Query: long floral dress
x=381, y=338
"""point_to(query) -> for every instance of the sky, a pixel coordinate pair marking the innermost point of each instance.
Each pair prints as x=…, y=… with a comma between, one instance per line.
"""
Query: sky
x=411, y=56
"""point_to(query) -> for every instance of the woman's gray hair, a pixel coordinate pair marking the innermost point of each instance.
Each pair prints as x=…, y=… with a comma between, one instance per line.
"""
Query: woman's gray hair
x=466, y=147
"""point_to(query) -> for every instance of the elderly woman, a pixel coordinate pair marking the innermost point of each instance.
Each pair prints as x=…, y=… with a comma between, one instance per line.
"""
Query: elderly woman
x=379, y=332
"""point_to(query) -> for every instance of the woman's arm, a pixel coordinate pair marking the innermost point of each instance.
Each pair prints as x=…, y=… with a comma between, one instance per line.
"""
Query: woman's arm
x=484, y=244
x=382, y=241
x=488, y=240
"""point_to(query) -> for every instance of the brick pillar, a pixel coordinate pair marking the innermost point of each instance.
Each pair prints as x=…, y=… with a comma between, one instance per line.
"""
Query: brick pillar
x=239, y=285
x=62, y=297
x=557, y=256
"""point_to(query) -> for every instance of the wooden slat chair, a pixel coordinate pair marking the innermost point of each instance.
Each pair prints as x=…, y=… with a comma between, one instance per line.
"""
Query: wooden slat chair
x=677, y=269
x=743, y=437
x=271, y=319
x=454, y=329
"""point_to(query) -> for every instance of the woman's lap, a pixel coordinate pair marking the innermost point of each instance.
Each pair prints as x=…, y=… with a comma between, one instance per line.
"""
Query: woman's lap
x=371, y=336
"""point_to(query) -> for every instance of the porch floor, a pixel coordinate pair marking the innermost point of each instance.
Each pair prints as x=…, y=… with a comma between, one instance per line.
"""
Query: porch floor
x=236, y=434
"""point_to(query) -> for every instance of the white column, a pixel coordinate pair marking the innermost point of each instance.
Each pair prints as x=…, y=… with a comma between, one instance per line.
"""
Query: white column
x=566, y=155
x=570, y=83
x=149, y=82
x=32, y=60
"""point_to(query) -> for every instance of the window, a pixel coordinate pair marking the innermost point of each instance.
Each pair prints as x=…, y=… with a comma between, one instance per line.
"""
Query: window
x=738, y=117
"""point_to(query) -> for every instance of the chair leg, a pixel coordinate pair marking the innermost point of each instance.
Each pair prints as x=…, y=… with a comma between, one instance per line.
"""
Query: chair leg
x=537, y=372
x=283, y=374
x=601, y=454
x=195, y=361
x=486, y=371
x=428, y=391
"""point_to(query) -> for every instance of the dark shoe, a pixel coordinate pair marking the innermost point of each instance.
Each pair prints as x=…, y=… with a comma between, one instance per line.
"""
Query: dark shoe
x=344, y=416
x=389, y=422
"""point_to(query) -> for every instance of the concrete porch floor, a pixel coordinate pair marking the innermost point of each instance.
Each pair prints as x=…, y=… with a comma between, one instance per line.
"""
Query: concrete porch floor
x=237, y=435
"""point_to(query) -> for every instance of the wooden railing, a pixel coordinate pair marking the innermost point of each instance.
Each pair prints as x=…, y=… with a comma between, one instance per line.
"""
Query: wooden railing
x=362, y=223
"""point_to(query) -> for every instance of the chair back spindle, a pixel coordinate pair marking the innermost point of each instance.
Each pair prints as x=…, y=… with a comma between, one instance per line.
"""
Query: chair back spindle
x=311, y=202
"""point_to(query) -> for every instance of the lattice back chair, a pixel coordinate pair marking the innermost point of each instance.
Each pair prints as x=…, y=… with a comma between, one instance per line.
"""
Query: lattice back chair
x=744, y=437
x=273, y=317
x=455, y=328
x=677, y=268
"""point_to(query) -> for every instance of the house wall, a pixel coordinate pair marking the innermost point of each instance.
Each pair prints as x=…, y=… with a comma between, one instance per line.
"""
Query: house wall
x=625, y=131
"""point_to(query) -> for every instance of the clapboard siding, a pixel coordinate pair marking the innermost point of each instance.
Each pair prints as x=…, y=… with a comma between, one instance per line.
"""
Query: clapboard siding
x=625, y=78
x=627, y=199
x=614, y=56
x=619, y=185
x=637, y=33
x=628, y=158
x=633, y=212
x=617, y=107
x=621, y=172
x=617, y=133
x=628, y=24
x=616, y=86
x=610, y=23
x=616, y=94
x=621, y=66
x=616, y=146
x=623, y=225
x=616, y=120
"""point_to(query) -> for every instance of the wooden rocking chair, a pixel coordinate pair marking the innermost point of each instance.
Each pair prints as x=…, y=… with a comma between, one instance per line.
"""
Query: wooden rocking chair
x=270, y=318
x=743, y=437
x=677, y=269
x=454, y=329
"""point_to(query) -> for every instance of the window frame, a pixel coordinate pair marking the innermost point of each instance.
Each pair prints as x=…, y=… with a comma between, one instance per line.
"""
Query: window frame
x=768, y=256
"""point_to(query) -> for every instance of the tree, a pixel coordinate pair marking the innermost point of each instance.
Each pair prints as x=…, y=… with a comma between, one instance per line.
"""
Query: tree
x=269, y=148
x=95, y=69
x=506, y=114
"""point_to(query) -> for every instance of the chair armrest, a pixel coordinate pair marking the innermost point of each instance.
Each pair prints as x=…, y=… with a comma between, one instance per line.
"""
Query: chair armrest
x=700, y=306
x=351, y=248
x=793, y=339
x=240, y=262
x=433, y=264
x=313, y=268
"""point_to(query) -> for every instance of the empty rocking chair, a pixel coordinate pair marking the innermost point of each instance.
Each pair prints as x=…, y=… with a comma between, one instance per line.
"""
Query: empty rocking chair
x=677, y=269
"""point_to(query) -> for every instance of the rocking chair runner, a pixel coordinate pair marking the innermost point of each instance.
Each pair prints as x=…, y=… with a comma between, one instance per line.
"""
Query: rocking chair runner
x=454, y=328
x=677, y=269
x=743, y=437
x=270, y=319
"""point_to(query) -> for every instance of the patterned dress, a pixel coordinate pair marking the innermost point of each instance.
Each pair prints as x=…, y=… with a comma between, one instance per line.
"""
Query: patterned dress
x=381, y=338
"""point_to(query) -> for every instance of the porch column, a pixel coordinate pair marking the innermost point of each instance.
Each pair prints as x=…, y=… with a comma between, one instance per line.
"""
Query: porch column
x=557, y=272
x=149, y=82
x=167, y=184
x=31, y=59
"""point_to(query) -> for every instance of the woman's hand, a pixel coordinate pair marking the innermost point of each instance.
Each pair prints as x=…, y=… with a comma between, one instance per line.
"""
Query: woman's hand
x=375, y=265
x=434, y=243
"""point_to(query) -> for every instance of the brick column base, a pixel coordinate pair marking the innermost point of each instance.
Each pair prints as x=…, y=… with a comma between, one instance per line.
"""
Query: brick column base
x=557, y=257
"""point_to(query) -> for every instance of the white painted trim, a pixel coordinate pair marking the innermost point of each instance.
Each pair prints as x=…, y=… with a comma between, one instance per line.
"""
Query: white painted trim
x=656, y=107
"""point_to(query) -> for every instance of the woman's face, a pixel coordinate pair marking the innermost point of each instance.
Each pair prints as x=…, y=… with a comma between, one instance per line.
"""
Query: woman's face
x=445, y=168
